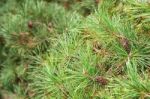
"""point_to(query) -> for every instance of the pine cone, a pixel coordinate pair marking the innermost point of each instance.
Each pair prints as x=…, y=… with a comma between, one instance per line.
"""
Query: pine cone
x=125, y=43
x=101, y=80
x=30, y=24
x=97, y=1
x=66, y=5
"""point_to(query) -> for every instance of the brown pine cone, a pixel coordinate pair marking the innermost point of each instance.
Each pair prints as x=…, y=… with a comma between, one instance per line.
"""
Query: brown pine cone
x=101, y=80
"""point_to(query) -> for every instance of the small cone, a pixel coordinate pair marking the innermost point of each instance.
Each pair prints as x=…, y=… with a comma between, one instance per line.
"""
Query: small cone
x=101, y=80
x=30, y=24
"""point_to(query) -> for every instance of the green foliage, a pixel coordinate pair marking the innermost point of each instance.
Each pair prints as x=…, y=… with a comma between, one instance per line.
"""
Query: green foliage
x=133, y=86
x=74, y=49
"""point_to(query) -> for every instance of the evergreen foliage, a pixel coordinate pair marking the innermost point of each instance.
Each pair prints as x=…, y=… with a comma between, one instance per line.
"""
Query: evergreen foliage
x=75, y=49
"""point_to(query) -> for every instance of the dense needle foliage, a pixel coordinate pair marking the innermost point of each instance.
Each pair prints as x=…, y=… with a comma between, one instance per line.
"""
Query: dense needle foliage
x=75, y=49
